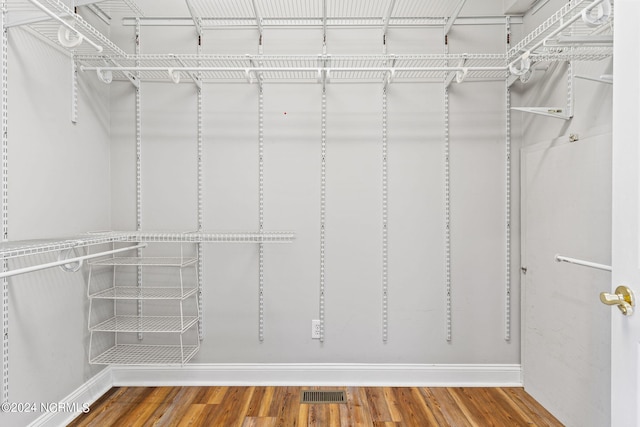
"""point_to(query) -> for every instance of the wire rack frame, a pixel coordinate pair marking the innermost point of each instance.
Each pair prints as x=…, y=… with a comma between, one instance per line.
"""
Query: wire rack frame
x=147, y=293
x=177, y=324
x=309, y=68
x=135, y=354
x=49, y=28
x=539, y=42
x=305, y=12
x=27, y=248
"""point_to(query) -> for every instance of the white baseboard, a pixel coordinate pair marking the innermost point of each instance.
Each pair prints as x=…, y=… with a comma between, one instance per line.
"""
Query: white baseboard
x=87, y=393
x=303, y=374
x=278, y=374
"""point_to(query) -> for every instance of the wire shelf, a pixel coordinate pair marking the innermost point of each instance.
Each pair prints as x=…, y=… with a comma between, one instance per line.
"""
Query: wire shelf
x=41, y=20
x=34, y=247
x=225, y=13
x=304, y=68
x=147, y=261
x=205, y=237
x=120, y=6
x=174, y=324
x=134, y=354
x=144, y=293
x=552, y=42
x=21, y=248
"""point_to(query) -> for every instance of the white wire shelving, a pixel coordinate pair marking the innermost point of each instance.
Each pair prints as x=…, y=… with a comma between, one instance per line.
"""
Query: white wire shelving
x=299, y=68
x=133, y=354
x=269, y=13
x=147, y=262
x=146, y=293
x=159, y=324
x=61, y=25
x=566, y=35
x=122, y=322
x=14, y=249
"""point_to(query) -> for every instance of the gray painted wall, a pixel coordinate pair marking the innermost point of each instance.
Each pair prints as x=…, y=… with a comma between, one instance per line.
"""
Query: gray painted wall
x=354, y=201
x=97, y=156
x=566, y=192
x=59, y=186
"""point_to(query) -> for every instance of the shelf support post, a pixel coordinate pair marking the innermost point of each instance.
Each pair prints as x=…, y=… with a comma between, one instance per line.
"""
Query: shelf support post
x=5, y=206
x=385, y=217
x=323, y=206
x=507, y=296
x=74, y=91
x=138, y=161
x=261, y=214
x=199, y=246
x=447, y=207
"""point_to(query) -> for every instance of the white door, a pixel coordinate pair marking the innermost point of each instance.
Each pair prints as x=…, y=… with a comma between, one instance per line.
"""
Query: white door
x=625, y=336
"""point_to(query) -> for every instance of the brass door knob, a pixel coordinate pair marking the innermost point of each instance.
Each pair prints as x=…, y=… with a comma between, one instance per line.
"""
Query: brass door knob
x=623, y=298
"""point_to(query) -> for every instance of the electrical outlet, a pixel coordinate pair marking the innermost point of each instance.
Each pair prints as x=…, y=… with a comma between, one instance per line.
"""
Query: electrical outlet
x=315, y=329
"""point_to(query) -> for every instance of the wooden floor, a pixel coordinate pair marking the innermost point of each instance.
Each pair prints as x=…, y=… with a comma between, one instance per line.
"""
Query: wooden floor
x=280, y=406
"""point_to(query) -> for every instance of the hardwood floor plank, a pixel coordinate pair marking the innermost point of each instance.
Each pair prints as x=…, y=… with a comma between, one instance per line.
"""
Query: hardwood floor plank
x=111, y=405
x=358, y=406
x=392, y=403
x=191, y=415
x=451, y=413
x=318, y=416
x=468, y=407
x=377, y=405
x=267, y=400
x=415, y=411
x=259, y=422
x=289, y=408
x=504, y=405
x=232, y=410
x=173, y=407
x=253, y=410
x=216, y=395
x=143, y=410
x=280, y=406
x=435, y=406
x=303, y=415
x=530, y=406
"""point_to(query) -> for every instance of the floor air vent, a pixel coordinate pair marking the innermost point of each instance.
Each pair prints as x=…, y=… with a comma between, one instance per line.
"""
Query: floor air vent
x=323, y=396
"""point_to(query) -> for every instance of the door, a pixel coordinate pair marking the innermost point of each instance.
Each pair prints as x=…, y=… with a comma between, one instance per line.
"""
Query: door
x=625, y=257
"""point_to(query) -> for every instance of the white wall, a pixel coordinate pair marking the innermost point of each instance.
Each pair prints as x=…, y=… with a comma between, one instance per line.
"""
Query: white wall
x=566, y=191
x=417, y=322
x=58, y=187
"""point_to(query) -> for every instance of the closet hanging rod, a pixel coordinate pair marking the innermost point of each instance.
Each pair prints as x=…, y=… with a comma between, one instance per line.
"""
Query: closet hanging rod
x=69, y=27
x=295, y=69
x=560, y=258
x=67, y=261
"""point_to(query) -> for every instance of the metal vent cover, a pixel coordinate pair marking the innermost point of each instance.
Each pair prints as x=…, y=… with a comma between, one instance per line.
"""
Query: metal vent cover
x=323, y=396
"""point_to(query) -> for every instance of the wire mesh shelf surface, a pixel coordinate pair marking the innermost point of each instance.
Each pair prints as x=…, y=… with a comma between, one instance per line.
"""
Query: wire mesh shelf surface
x=49, y=17
x=145, y=293
x=566, y=35
x=318, y=12
x=135, y=354
x=177, y=324
x=20, y=248
x=146, y=261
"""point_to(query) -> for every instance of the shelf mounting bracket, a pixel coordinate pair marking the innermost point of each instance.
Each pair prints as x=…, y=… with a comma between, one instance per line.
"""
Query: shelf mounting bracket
x=453, y=17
